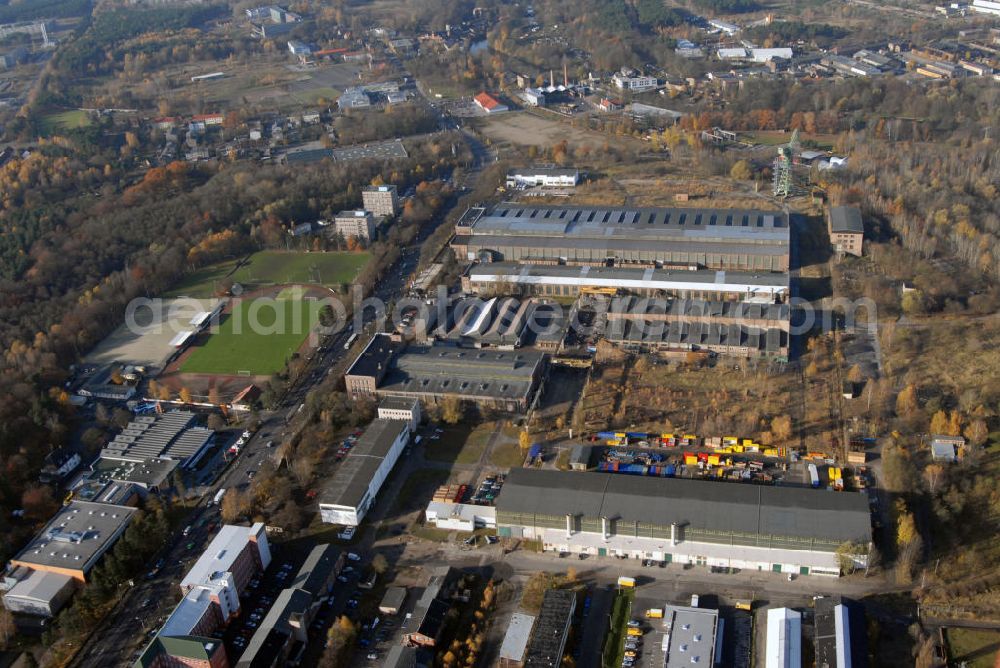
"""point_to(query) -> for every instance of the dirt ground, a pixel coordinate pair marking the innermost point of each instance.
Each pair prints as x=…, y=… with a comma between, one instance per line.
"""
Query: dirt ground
x=530, y=130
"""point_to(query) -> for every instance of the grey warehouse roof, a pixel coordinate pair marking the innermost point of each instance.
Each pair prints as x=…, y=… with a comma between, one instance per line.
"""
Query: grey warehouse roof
x=375, y=357
x=349, y=484
x=76, y=535
x=846, y=219
x=699, y=504
x=512, y=219
x=442, y=369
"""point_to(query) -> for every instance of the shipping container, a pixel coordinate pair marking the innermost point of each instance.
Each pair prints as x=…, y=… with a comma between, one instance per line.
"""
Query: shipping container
x=669, y=470
x=626, y=582
x=713, y=460
x=690, y=460
x=605, y=434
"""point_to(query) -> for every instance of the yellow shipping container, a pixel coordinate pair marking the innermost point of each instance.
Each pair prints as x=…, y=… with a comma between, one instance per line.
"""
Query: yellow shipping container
x=690, y=437
x=730, y=439
x=737, y=448
x=666, y=436
x=691, y=460
x=713, y=460
x=770, y=452
x=632, y=631
x=619, y=434
x=747, y=441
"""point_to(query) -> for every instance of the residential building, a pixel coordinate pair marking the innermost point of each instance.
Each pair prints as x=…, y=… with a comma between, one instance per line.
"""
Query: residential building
x=187, y=651
x=610, y=104
x=729, y=239
x=75, y=539
x=489, y=104
x=551, y=630
x=237, y=550
x=779, y=529
x=847, y=232
x=381, y=200
x=351, y=492
x=284, y=626
x=545, y=177
x=358, y=224
x=634, y=84
x=690, y=636
x=405, y=409
x=211, y=598
x=515, y=640
x=784, y=639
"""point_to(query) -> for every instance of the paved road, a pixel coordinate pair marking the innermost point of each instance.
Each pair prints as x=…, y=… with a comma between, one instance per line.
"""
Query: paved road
x=142, y=609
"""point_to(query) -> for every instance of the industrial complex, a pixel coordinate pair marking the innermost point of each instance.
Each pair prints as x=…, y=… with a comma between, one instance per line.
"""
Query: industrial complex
x=728, y=239
x=779, y=529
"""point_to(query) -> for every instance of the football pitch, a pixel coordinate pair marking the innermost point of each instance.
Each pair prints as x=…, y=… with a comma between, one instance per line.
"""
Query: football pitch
x=255, y=338
x=272, y=268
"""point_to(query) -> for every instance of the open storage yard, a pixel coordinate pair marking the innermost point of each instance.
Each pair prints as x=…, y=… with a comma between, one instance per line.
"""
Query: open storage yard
x=531, y=129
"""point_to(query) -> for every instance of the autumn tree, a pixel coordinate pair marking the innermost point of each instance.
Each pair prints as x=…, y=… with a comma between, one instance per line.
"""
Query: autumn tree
x=524, y=439
x=781, y=428
x=379, y=563
x=977, y=432
x=906, y=401
x=235, y=506
x=939, y=423
x=184, y=395
x=741, y=170
x=451, y=410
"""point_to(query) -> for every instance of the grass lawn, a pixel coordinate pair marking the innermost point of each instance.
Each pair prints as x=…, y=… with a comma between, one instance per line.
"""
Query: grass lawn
x=64, y=120
x=274, y=267
x=313, y=95
x=974, y=648
x=614, y=642
x=508, y=455
x=258, y=337
x=458, y=445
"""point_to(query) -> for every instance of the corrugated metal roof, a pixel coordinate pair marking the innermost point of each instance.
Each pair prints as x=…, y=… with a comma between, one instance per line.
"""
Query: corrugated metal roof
x=716, y=506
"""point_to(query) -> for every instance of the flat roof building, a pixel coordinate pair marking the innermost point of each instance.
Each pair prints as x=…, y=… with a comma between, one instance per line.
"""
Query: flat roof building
x=546, y=177
x=499, y=379
x=381, y=200
x=780, y=529
x=429, y=613
x=75, y=538
x=358, y=224
x=392, y=601
x=370, y=367
x=172, y=651
x=350, y=493
x=319, y=571
x=406, y=409
x=553, y=280
x=548, y=640
x=240, y=550
x=515, y=640
x=730, y=239
x=40, y=593
x=784, y=638
x=847, y=231
x=690, y=636
x=286, y=623
x=841, y=633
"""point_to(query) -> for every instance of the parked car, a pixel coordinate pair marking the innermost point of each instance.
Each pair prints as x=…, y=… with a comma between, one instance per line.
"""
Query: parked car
x=353, y=557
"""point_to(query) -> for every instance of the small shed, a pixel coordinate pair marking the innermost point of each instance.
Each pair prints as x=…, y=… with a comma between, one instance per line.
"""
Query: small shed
x=393, y=600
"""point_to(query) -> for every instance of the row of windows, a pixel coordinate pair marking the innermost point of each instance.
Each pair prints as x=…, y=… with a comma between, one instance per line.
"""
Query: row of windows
x=648, y=530
x=774, y=262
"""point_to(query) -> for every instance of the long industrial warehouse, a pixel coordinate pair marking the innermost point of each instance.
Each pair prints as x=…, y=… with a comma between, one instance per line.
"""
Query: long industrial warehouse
x=780, y=529
x=735, y=239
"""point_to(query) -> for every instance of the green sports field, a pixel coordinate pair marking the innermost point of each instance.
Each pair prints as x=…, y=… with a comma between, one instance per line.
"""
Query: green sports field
x=256, y=338
x=64, y=120
x=272, y=268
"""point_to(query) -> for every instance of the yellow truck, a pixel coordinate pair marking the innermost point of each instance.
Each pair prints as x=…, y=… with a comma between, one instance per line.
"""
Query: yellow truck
x=654, y=613
x=633, y=631
x=626, y=582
